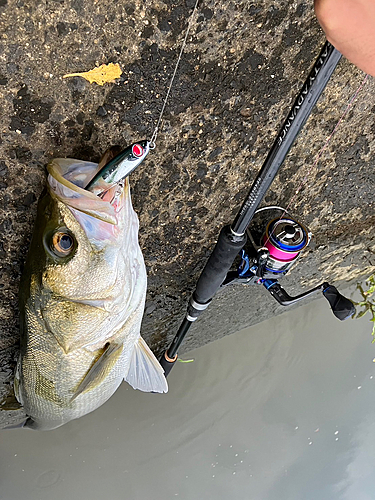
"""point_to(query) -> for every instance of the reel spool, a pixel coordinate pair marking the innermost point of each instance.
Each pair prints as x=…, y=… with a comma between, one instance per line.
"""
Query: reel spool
x=284, y=239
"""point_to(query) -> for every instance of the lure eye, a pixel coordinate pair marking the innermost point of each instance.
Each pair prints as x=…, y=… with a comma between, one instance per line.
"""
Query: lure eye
x=137, y=150
x=62, y=243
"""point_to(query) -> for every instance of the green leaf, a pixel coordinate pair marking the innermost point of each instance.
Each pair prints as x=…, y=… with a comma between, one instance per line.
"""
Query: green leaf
x=361, y=313
x=366, y=303
x=359, y=287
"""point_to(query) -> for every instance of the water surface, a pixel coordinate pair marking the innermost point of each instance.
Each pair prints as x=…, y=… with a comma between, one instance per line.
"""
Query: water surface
x=283, y=410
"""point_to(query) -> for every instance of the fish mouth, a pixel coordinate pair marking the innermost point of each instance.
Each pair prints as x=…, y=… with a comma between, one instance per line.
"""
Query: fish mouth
x=66, y=180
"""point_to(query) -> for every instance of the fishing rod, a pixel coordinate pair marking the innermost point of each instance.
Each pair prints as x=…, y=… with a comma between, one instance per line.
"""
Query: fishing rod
x=282, y=240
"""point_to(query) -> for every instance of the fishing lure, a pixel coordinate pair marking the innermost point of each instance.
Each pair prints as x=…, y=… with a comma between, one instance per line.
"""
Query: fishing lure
x=118, y=168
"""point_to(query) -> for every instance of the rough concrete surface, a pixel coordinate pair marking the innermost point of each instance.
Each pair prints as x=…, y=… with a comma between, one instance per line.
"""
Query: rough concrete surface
x=242, y=67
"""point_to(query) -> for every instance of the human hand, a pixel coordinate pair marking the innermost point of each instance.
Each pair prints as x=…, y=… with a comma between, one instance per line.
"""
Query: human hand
x=349, y=26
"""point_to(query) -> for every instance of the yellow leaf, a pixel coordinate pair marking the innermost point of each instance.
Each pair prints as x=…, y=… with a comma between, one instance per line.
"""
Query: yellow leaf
x=103, y=74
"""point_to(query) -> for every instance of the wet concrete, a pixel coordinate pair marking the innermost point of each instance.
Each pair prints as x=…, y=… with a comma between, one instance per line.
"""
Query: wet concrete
x=241, y=69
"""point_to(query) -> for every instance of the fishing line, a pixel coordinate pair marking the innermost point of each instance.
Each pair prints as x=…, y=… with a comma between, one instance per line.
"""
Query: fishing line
x=131, y=157
x=319, y=154
x=155, y=134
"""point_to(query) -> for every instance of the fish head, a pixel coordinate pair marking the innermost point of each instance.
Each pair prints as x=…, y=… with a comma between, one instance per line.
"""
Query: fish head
x=78, y=236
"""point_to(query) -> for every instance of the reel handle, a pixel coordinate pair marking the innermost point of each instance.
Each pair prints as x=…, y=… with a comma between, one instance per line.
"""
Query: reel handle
x=342, y=307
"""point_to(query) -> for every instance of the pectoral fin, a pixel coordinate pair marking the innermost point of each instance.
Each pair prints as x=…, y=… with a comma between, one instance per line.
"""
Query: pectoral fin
x=99, y=369
x=18, y=425
x=145, y=372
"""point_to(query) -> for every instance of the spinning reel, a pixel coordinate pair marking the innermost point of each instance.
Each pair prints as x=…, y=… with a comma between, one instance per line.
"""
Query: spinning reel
x=276, y=241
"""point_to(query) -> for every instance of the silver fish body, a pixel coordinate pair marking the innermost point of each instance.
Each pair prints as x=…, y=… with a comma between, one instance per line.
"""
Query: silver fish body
x=82, y=299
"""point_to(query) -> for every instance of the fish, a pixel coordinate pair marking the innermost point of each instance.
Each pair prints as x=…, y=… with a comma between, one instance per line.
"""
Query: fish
x=82, y=297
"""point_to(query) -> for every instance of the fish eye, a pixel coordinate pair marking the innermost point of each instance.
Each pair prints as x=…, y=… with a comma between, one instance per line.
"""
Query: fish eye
x=62, y=243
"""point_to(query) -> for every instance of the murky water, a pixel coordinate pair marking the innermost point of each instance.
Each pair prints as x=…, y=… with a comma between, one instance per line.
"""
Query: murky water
x=281, y=411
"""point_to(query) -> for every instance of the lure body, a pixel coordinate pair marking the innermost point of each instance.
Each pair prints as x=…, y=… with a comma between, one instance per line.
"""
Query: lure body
x=119, y=167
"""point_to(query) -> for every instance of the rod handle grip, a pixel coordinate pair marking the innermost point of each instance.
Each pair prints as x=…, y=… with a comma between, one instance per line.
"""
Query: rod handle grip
x=218, y=265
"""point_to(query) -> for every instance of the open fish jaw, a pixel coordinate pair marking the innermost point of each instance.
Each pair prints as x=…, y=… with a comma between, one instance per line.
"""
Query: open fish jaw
x=66, y=180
